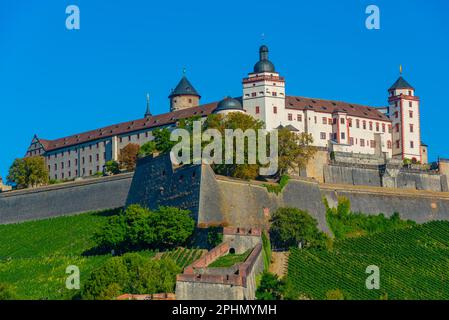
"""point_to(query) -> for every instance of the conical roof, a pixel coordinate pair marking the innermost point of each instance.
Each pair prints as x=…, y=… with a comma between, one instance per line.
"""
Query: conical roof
x=184, y=87
x=401, y=83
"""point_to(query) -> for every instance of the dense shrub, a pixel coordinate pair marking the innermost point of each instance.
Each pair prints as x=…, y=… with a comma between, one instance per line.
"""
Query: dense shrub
x=270, y=287
x=7, y=292
x=292, y=227
x=139, y=228
x=277, y=188
x=112, y=167
x=130, y=273
x=214, y=236
x=347, y=224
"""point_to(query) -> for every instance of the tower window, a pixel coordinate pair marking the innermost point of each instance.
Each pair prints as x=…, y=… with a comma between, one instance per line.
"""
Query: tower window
x=410, y=104
x=257, y=109
x=342, y=121
x=412, y=145
x=411, y=128
x=389, y=144
x=253, y=94
x=274, y=94
x=410, y=113
x=275, y=109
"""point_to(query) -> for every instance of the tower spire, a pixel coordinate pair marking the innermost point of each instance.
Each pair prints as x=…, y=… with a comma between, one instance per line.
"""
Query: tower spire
x=147, y=112
x=400, y=69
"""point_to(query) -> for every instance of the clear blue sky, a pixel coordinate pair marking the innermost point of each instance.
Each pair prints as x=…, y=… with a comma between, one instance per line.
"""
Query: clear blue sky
x=56, y=82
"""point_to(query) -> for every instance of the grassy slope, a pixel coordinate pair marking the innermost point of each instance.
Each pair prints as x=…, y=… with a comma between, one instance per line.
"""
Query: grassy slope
x=229, y=260
x=413, y=262
x=34, y=255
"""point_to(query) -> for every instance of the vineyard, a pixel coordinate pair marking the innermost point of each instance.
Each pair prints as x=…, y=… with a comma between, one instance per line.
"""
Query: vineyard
x=34, y=255
x=413, y=263
x=182, y=256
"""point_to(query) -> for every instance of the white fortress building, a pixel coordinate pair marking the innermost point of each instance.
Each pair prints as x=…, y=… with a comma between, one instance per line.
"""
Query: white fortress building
x=391, y=131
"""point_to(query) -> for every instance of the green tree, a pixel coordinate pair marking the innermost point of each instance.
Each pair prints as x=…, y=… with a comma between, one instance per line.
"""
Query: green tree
x=270, y=287
x=291, y=227
x=162, y=140
x=112, y=167
x=138, y=227
x=128, y=156
x=214, y=236
x=130, y=273
x=28, y=172
x=147, y=148
x=295, y=150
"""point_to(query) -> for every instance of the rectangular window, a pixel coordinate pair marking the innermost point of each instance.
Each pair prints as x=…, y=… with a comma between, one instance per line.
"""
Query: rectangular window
x=299, y=117
x=389, y=144
x=121, y=139
x=62, y=165
x=390, y=128
x=76, y=162
x=129, y=138
x=257, y=109
x=316, y=120
x=275, y=109
x=70, y=173
x=377, y=126
x=357, y=123
x=383, y=127
x=398, y=144
x=253, y=94
x=334, y=121
x=364, y=125
x=62, y=175
x=98, y=157
x=330, y=136
x=351, y=141
x=412, y=145
x=146, y=134
x=90, y=158
x=410, y=113
x=350, y=122
x=290, y=117
x=323, y=135
x=373, y=144
x=329, y=121
x=342, y=120
x=411, y=128
x=362, y=142
x=370, y=126
x=138, y=136
x=68, y=164
x=396, y=114
x=274, y=94
x=84, y=171
x=83, y=160
x=324, y=120
x=342, y=135
x=56, y=166
x=76, y=172
x=410, y=104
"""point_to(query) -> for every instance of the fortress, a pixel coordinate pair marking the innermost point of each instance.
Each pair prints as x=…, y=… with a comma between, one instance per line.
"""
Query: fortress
x=388, y=132
x=360, y=156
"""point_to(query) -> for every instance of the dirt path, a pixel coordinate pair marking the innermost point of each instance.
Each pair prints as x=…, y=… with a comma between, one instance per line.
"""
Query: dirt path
x=279, y=263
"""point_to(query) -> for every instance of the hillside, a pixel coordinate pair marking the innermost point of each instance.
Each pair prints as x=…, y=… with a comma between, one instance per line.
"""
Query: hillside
x=34, y=255
x=413, y=262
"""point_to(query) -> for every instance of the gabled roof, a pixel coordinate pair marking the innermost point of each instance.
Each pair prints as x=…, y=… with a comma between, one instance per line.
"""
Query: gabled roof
x=130, y=126
x=331, y=106
x=184, y=87
x=401, y=83
x=291, y=102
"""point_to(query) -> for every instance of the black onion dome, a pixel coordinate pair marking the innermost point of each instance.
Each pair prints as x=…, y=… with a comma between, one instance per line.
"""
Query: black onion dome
x=229, y=103
x=263, y=65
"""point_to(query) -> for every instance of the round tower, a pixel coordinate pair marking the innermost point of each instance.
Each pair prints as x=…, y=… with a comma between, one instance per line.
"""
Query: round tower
x=184, y=96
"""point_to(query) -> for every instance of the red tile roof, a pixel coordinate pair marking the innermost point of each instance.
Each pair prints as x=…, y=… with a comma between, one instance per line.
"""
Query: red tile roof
x=292, y=102
x=128, y=127
x=330, y=106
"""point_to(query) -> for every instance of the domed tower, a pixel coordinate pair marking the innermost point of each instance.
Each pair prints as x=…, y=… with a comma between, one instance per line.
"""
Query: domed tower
x=184, y=95
x=228, y=105
x=404, y=114
x=264, y=92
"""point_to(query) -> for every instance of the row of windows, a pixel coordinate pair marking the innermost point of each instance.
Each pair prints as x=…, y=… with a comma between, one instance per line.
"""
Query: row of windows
x=75, y=173
x=410, y=114
x=83, y=161
x=273, y=93
x=411, y=144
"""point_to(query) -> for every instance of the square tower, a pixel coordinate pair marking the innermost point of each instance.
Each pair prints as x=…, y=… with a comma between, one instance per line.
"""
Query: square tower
x=404, y=114
x=264, y=92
